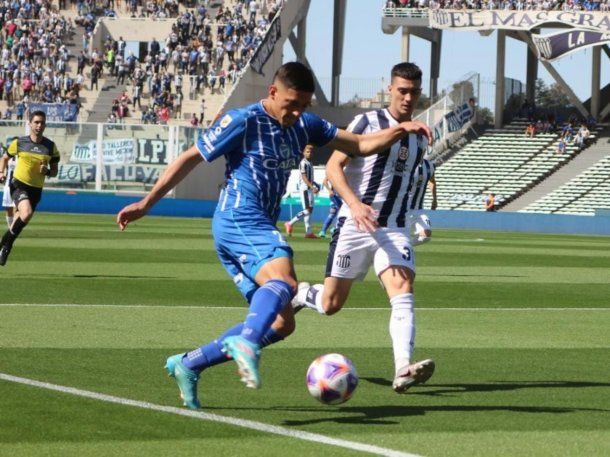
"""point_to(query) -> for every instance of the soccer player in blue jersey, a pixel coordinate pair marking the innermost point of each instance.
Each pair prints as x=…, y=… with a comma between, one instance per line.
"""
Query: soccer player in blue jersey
x=261, y=143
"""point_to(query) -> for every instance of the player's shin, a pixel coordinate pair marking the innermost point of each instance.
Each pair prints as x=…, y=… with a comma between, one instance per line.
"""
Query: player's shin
x=402, y=328
x=266, y=303
x=212, y=354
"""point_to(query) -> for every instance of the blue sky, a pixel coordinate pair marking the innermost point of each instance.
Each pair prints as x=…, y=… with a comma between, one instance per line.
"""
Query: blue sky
x=369, y=53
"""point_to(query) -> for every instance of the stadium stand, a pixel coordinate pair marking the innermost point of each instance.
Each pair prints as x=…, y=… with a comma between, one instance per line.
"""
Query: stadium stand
x=503, y=161
x=53, y=59
x=585, y=193
x=202, y=58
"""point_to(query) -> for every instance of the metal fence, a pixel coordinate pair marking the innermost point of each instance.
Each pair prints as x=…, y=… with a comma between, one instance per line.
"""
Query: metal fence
x=133, y=158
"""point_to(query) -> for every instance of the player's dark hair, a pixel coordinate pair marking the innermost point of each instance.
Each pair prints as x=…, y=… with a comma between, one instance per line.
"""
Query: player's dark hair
x=295, y=75
x=40, y=113
x=406, y=70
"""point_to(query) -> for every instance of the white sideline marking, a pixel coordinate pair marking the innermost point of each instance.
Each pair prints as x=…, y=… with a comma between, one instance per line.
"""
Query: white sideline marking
x=242, y=308
x=267, y=428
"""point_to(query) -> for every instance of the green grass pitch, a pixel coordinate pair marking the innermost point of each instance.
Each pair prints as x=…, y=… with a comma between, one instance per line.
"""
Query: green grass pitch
x=517, y=323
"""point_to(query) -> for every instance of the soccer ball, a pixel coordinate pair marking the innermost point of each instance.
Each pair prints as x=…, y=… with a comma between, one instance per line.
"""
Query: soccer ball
x=332, y=379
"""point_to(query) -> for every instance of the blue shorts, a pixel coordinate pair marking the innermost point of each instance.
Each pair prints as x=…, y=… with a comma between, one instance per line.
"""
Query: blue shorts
x=244, y=242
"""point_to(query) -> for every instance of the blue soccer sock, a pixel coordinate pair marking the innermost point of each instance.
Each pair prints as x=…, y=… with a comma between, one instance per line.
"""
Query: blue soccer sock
x=329, y=220
x=266, y=303
x=211, y=354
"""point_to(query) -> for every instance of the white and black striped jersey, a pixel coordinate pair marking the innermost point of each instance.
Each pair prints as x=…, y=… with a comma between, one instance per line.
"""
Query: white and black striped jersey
x=423, y=174
x=305, y=168
x=384, y=180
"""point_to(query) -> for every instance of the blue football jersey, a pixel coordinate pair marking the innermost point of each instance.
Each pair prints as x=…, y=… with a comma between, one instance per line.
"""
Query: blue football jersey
x=260, y=154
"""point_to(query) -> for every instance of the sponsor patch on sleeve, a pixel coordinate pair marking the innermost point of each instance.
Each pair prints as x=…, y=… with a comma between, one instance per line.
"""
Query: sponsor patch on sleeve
x=225, y=121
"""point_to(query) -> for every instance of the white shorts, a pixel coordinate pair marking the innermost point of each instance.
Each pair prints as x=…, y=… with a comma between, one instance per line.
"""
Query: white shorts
x=7, y=201
x=307, y=198
x=352, y=252
x=419, y=221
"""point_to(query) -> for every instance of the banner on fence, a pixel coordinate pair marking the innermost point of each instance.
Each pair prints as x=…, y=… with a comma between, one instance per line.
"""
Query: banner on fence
x=265, y=49
x=468, y=20
x=74, y=173
x=56, y=112
x=556, y=45
x=116, y=152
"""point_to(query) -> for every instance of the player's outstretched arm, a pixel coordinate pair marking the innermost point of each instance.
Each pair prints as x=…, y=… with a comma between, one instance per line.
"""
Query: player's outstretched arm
x=373, y=143
x=432, y=186
x=174, y=173
x=363, y=215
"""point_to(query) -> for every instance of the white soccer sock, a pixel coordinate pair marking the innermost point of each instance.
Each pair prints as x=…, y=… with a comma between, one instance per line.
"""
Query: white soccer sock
x=298, y=217
x=402, y=328
x=307, y=221
x=9, y=221
x=312, y=297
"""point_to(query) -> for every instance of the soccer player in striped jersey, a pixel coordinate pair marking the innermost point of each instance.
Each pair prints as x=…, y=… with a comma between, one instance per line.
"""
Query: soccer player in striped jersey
x=420, y=222
x=373, y=227
x=261, y=144
x=307, y=188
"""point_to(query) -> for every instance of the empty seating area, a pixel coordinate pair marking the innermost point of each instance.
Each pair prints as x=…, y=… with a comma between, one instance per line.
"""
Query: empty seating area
x=504, y=162
x=583, y=194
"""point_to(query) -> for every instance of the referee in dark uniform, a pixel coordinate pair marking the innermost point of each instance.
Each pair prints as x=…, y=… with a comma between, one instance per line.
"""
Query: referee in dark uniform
x=37, y=158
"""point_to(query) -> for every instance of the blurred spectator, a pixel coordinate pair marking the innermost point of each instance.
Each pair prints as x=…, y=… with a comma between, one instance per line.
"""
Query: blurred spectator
x=582, y=136
x=561, y=146
x=490, y=202
x=530, y=130
x=202, y=111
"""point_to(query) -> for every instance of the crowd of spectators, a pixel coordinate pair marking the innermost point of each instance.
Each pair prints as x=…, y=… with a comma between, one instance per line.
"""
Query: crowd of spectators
x=209, y=51
x=575, y=130
x=519, y=5
x=34, y=57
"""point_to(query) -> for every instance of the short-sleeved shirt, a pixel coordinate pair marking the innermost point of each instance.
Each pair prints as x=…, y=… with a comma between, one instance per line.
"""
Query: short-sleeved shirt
x=384, y=180
x=30, y=156
x=260, y=154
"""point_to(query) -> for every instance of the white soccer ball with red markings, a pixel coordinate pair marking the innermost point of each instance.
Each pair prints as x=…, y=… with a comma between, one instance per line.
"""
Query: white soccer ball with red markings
x=332, y=379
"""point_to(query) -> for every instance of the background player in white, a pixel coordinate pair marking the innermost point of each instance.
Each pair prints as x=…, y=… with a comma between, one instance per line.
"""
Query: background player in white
x=373, y=226
x=7, y=200
x=420, y=222
x=307, y=188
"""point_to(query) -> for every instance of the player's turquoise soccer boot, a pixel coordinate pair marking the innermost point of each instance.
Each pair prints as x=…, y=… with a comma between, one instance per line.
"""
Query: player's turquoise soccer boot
x=246, y=355
x=186, y=380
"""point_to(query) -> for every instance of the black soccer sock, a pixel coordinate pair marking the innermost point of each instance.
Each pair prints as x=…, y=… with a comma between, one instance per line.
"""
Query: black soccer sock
x=11, y=234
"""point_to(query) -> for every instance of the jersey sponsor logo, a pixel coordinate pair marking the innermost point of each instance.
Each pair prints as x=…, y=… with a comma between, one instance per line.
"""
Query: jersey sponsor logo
x=403, y=153
x=343, y=261
x=285, y=150
x=274, y=164
x=225, y=121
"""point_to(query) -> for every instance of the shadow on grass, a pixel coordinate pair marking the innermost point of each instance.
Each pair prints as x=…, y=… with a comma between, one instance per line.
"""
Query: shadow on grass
x=380, y=415
x=496, y=386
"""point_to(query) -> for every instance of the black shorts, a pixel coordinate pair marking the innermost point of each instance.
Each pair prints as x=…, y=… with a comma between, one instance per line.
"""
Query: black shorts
x=21, y=191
